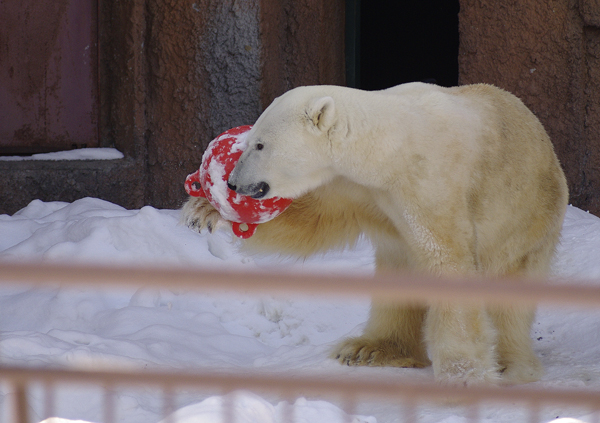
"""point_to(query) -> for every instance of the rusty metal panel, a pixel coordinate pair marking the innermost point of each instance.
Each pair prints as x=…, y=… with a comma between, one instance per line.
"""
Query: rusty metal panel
x=48, y=75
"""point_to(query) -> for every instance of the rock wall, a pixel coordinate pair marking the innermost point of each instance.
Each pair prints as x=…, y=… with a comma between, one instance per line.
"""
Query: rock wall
x=214, y=65
x=173, y=75
x=548, y=54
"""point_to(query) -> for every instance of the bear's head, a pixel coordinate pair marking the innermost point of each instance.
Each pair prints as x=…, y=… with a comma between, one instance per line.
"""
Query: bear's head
x=288, y=149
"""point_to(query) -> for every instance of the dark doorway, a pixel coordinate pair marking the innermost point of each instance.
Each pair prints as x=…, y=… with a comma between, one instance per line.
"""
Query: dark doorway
x=399, y=42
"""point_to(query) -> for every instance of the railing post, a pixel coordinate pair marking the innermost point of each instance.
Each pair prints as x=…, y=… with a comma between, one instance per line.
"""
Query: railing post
x=21, y=405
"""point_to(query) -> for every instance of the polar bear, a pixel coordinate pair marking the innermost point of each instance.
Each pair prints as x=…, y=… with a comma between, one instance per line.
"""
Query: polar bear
x=449, y=181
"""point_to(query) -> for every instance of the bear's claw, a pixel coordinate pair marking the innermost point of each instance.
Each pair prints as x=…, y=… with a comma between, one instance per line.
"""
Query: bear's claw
x=375, y=353
x=198, y=213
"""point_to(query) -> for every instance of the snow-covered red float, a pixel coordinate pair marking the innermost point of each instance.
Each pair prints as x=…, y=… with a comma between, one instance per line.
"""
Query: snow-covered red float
x=210, y=181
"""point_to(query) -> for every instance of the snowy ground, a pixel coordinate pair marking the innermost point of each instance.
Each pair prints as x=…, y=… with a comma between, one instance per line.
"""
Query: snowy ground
x=181, y=330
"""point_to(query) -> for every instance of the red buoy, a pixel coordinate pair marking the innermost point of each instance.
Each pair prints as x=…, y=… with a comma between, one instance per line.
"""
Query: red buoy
x=210, y=181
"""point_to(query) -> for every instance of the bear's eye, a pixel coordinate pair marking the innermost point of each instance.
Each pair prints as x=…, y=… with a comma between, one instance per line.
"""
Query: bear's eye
x=259, y=146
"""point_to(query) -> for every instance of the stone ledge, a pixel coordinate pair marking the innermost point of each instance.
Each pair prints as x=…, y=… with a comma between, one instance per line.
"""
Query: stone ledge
x=118, y=181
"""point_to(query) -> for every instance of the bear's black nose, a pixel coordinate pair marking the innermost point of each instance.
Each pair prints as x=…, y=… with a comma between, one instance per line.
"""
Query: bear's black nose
x=231, y=187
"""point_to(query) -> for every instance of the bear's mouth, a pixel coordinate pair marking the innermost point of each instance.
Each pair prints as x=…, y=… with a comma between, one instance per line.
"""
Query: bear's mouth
x=256, y=191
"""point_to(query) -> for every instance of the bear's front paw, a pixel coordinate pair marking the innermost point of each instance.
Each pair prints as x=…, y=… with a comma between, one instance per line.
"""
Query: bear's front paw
x=367, y=352
x=198, y=213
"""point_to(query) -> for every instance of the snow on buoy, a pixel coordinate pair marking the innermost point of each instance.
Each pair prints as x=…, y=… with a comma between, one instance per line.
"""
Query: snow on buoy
x=210, y=181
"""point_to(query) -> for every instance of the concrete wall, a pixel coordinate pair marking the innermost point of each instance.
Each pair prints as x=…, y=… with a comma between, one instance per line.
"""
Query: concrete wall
x=548, y=54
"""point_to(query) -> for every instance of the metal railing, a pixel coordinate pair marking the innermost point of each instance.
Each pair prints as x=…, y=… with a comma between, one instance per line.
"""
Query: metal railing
x=400, y=287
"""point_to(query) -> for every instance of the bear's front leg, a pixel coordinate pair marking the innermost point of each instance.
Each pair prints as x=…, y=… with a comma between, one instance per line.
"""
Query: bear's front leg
x=393, y=337
x=461, y=341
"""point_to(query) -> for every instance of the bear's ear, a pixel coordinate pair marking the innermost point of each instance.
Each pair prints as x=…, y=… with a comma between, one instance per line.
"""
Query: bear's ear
x=321, y=112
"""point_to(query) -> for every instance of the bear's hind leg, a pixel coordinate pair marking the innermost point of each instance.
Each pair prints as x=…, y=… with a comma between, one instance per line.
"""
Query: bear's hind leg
x=516, y=358
x=393, y=337
x=461, y=341
x=515, y=353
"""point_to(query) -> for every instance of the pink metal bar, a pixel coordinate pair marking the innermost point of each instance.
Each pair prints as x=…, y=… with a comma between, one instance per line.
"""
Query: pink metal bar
x=388, y=286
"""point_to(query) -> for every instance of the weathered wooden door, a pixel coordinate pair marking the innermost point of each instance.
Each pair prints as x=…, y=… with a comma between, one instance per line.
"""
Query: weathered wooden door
x=48, y=75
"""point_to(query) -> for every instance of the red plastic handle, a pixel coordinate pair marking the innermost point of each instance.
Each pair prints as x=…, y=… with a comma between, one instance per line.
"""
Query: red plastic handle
x=193, y=186
x=243, y=230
